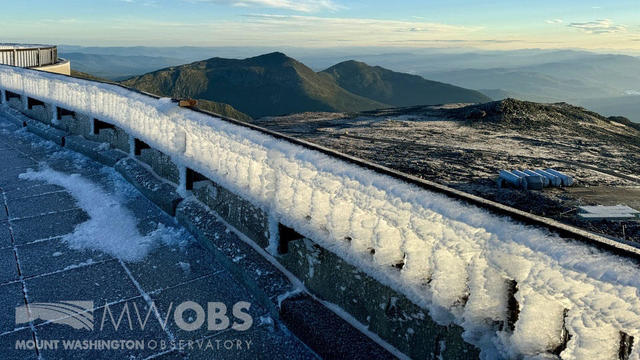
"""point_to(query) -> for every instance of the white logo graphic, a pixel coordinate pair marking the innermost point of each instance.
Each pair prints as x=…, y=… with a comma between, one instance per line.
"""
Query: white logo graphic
x=77, y=314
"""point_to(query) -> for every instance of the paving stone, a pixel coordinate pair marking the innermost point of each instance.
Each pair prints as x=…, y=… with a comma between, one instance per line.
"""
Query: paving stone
x=41, y=204
x=4, y=145
x=150, y=224
x=261, y=341
x=46, y=132
x=239, y=258
x=47, y=226
x=3, y=212
x=101, y=283
x=12, y=297
x=32, y=190
x=307, y=318
x=215, y=288
x=105, y=329
x=12, y=159
x=8, y=266
x=28, y=143
x=160, y=192
x=42, y=154
x=5, y=234
x=42, y=257
x=86, y=147
x=111, y=156
x=94, y=150
x=10, y=180
x=143, y=208
x=8, y=127
x=107, y=181
x=8, y=344
x=170, y=266
x=169, y=355
x=77, y=165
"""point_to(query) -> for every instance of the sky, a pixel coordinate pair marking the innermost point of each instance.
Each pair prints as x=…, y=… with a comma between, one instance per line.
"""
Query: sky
x=491, y=25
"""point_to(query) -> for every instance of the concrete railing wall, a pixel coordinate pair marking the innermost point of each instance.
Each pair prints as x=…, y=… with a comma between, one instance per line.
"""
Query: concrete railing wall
x=403, y=290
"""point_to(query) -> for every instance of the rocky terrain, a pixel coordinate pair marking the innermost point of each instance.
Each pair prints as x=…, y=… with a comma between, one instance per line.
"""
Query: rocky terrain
x=464, y=146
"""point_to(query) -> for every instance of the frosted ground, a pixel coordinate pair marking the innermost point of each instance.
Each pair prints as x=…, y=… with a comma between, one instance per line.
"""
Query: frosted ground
x=441, y=144
x=452, y=252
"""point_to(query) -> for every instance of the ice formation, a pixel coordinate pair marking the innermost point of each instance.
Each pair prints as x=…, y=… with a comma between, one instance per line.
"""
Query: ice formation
x=457, y=257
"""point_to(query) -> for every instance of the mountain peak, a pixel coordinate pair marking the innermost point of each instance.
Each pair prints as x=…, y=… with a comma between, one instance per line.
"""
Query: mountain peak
x=271, y=58
x=352, y=65
x=396, y=88
x=273, y=55
x=351, y=62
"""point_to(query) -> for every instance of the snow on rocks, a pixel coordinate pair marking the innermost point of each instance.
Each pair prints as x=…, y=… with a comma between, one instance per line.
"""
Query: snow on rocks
x=456, y=257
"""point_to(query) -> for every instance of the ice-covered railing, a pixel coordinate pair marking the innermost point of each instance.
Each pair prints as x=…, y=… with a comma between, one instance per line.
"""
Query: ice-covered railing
x=463, y=263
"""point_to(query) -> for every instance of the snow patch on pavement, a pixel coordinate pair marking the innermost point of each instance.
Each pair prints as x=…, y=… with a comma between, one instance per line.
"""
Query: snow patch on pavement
x=112, y=228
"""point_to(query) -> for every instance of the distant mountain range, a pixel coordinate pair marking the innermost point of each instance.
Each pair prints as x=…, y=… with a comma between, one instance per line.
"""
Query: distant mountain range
x=597, y=81
x=275, y=84
x=627, y=106
x=117, y=67
x=533, y=86
x=398, y=89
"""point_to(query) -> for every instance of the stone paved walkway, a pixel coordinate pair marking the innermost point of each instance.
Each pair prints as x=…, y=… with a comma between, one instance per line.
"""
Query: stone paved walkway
x=37, y=266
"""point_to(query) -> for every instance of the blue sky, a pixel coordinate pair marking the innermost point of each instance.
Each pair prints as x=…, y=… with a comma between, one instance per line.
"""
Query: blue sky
x=497, y=24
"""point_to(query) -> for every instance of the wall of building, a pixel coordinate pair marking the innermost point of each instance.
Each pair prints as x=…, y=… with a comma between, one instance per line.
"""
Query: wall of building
x=62, y=67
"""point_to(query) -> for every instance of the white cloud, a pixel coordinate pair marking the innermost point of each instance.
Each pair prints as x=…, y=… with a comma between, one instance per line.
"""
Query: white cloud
x=604, y=26
x=294, y=5
x=151, y=3
x=554, y=21
x=362, y=26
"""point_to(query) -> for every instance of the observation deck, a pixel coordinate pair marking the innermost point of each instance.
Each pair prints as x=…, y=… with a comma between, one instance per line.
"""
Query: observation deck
x=39, y=57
